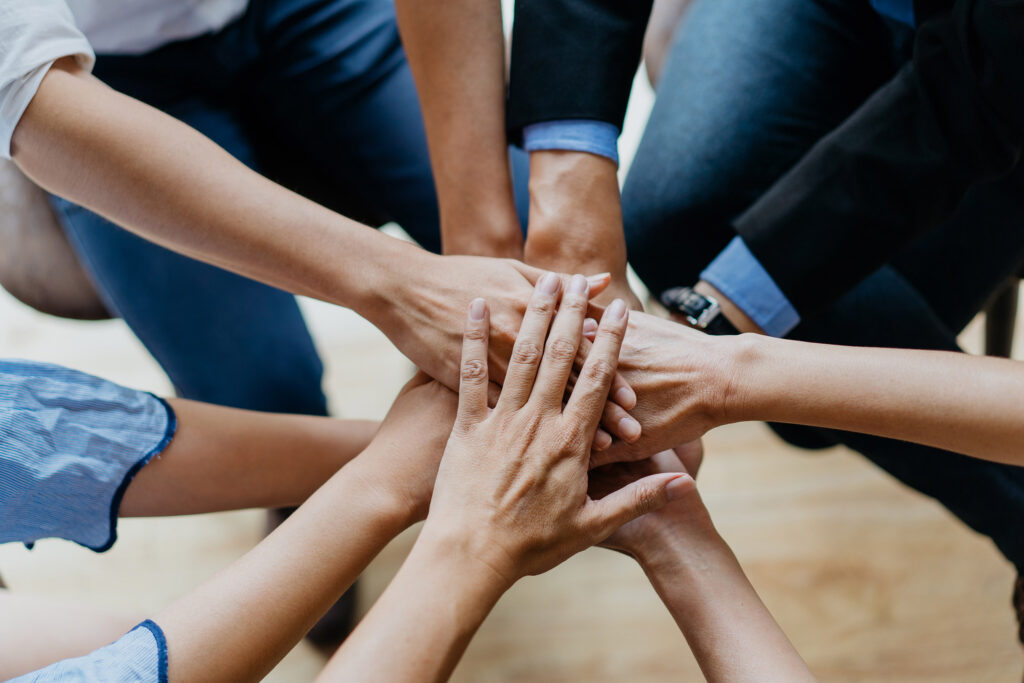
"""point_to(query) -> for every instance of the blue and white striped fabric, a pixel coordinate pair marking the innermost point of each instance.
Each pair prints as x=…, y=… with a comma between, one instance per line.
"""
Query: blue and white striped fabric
x=140, y=656
x=70, y=443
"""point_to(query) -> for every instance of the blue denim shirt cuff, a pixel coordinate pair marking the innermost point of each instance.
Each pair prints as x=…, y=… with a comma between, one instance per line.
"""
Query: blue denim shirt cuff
x=738, y=274
x=574, y=135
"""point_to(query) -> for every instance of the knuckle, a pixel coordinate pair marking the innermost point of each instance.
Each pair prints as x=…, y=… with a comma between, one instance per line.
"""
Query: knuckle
x=475, y=334
x=599, y=370
x=645, y=498
x=543, y=306
x=562, y=349
x=525, y=352
x=614, y=332
x=574, y=304
x=474, y=371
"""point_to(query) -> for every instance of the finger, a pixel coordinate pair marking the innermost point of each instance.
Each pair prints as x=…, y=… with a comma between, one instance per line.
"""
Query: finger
x=620, y=423
x=598, y=282
x=529, y=345
x=562, y=344
x=621, y=393
x=586, y=404
x=602, y=440
x=636, y=499
x=473, y=370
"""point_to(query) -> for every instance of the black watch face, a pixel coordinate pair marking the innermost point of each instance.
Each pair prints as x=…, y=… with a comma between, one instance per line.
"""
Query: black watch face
x=695, y=304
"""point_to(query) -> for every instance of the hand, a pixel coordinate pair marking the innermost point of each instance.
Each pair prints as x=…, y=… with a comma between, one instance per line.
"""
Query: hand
x=424, y=316
x=685, y=514
x=401, y=462
x=682, y=379
x=512, y=487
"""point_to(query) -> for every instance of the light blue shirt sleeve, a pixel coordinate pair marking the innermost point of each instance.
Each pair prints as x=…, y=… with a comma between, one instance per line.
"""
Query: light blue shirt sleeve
x=140, y=656
x=738, y=274
x=70, y=444
x=574, y=135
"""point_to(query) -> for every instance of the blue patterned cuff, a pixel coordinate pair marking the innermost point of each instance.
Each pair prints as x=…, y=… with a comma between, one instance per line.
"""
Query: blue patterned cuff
x=574, y=135
x=738, y=274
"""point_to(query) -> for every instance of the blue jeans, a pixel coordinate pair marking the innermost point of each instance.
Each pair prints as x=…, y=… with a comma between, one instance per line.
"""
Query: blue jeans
x=315, y=94
x=748, y=88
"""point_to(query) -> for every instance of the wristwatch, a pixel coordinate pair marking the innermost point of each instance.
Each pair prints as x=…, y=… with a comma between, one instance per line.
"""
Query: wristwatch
x=703, y=312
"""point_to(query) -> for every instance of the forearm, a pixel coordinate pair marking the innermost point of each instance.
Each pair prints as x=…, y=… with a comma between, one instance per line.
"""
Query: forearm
x=421, y=625
x=960, y=403
x=456, y=50
x=240, y=623
x=731, y=632
x=229, y=459
x=166, y=182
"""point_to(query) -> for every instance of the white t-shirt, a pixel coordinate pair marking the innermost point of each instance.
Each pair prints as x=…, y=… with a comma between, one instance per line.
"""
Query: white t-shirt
x=35, y=33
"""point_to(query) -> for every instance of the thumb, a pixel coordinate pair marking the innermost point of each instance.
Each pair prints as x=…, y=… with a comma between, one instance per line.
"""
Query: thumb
x=637, y=499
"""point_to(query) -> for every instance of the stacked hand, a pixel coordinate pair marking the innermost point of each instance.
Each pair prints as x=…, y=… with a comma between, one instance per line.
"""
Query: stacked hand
x=512, y=487
x=424, y=319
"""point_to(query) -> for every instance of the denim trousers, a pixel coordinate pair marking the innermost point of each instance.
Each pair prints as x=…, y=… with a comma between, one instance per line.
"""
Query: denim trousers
x=748, y=88
x=315, y=94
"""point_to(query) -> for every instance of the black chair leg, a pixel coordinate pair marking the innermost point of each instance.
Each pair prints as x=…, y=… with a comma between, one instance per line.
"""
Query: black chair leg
x=1000, y=320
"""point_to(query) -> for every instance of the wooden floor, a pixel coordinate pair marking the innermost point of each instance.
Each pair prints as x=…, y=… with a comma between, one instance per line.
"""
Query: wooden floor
x=871, y=581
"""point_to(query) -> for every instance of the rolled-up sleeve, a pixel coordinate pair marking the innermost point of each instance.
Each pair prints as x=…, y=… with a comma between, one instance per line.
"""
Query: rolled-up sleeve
x=140, y=656
x=33, y=35
x=70, y=444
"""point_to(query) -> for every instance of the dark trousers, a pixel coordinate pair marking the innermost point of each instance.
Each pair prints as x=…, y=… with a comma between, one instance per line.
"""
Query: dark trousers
x=749, y=87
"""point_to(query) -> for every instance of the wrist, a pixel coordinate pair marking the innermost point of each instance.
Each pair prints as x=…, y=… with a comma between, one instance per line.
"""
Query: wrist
x=386, y=292
x=742, y=379
x=575, y=212
x=733, y=313
x=470, y=555
x=370, y=474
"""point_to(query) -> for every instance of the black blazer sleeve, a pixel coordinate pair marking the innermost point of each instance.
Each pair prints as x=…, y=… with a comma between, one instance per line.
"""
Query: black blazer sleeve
x=574, y=59
x=901, y=164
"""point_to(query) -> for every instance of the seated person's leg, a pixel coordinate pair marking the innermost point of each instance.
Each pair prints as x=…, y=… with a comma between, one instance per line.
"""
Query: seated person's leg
x=747, y=89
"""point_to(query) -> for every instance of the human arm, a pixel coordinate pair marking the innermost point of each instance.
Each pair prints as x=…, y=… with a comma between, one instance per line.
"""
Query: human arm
x=688, y=383
x=731, y=633
x=456, y=50
x=228, y=459
x=510, y=498
x=119, y=157
x=574, y=60
x=238, y=624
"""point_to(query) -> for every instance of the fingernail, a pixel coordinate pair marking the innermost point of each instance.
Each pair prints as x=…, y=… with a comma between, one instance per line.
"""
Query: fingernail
x=476, y=309
x=578, y=285
x=629, y=429
x=590, y=327
x=602, y=440
x=678, y=487
x=598, y=279
x=625, y=397
x=548, y=284
x=617, y=311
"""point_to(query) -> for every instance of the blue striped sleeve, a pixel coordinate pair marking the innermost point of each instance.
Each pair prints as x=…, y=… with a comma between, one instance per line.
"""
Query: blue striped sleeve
x=70, y=444
x=140, y=656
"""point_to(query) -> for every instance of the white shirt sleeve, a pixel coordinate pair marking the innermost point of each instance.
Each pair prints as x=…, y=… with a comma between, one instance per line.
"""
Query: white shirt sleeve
x=33, y=35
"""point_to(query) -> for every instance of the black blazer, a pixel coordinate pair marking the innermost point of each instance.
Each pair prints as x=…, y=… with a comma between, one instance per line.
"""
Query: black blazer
x=900, y=165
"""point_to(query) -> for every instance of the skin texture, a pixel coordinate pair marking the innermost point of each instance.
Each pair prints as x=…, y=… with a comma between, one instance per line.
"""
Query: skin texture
x=731, y=632
x=464, y=114
x=511, y=493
